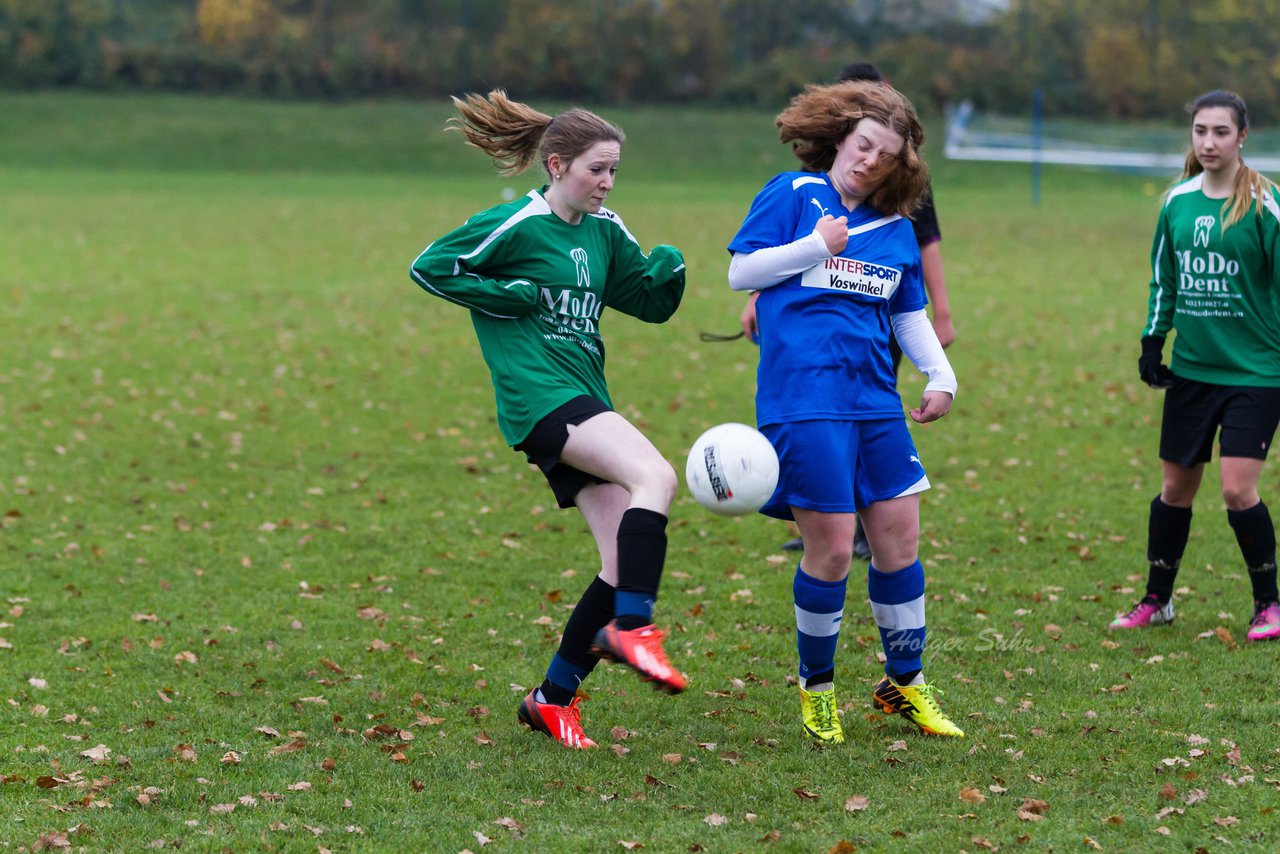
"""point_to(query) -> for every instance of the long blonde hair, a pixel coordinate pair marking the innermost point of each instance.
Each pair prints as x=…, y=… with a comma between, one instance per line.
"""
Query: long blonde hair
x=514, y=134
x=820, y=117
x=1250, y=186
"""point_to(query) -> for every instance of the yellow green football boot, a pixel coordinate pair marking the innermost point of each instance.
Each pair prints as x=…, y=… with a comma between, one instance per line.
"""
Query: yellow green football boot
x=916, y=704
x=818, y=711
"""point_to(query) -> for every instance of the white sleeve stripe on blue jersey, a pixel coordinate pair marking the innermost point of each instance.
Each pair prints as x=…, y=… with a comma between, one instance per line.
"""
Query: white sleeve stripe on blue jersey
x=806, y=179
x=871, y=226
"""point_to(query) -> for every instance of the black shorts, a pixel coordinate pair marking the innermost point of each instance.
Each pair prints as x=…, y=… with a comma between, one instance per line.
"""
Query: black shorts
x=1194, y=412
x=546, y=440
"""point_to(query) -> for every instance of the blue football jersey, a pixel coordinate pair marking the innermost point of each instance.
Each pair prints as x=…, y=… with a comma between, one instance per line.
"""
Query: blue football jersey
x=824, y=333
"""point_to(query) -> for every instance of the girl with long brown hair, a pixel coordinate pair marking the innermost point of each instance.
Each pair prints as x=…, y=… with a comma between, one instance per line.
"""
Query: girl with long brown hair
x=536, y=274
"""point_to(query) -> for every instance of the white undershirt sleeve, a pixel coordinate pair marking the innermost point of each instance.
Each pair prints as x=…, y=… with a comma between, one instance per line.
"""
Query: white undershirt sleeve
x=920, y=344
x=764, y=268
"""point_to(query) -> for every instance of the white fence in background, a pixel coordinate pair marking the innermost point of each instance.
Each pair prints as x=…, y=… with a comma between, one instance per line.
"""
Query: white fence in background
x=1003, y=143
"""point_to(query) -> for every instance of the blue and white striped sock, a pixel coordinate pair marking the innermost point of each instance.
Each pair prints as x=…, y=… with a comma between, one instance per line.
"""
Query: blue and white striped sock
x=897, y=601
x=819, y=609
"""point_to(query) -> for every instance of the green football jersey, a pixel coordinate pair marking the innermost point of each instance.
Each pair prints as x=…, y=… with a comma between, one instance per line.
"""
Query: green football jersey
x=1219, y=290
x=537, y=287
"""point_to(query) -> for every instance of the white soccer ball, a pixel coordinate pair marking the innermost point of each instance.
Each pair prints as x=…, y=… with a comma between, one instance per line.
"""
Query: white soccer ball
x=732, y=469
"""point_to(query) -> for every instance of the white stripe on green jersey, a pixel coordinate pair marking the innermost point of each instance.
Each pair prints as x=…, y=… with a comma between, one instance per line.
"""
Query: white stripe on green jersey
x=536, y=287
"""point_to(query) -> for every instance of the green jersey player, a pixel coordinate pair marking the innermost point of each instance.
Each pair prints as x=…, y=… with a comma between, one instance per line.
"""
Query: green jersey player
x=1216, y=280
x=536, y=274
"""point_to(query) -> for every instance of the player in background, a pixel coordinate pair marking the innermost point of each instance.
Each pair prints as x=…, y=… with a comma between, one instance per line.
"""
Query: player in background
x=836, y=264
x=924, y=221
x=536, y=274
x=1215, y=278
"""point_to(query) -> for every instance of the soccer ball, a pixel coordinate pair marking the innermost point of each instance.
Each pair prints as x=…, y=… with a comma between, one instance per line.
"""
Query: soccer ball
x=732, y=469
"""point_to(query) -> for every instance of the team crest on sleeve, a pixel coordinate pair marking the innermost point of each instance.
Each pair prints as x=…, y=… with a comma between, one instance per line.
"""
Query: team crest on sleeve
x=853, y=276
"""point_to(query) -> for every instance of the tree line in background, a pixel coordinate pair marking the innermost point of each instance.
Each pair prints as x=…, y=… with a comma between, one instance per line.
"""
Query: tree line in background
x=1113, y=58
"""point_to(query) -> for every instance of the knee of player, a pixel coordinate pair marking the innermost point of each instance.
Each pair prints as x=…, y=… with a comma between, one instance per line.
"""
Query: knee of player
x=654, y=484
x=1239, y=497
x=830, y=563
x=664, y=480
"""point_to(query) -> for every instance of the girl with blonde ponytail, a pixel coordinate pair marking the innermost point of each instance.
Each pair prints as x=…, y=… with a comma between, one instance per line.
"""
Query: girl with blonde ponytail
x=1215, y=264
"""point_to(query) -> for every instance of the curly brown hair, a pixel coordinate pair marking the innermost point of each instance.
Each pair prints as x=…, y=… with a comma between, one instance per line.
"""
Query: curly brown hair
x=820, y=117
x=514, y=134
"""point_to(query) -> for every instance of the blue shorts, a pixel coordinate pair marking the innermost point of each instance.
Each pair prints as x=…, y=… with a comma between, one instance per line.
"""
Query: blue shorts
x=842, y=466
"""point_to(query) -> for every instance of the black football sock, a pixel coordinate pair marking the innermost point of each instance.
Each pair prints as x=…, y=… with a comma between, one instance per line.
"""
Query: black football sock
x=574, y=661
x=1168, y=529
x=642, y=551
x=1256, y=535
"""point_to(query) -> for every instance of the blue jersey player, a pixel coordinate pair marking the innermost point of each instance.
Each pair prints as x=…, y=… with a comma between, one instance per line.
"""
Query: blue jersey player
x=837, y=264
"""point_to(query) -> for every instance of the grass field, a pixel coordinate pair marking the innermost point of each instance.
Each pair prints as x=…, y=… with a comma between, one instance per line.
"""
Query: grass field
x=272, y=581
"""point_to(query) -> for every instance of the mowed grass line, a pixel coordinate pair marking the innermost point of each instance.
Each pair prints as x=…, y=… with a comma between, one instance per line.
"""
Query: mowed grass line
x=251, y=480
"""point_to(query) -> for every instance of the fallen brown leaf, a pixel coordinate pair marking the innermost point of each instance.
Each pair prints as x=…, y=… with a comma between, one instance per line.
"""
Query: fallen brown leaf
x=97, y=755
x=50, y=841
x=854, y=803
x=292, y=747
x=1035, y=805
